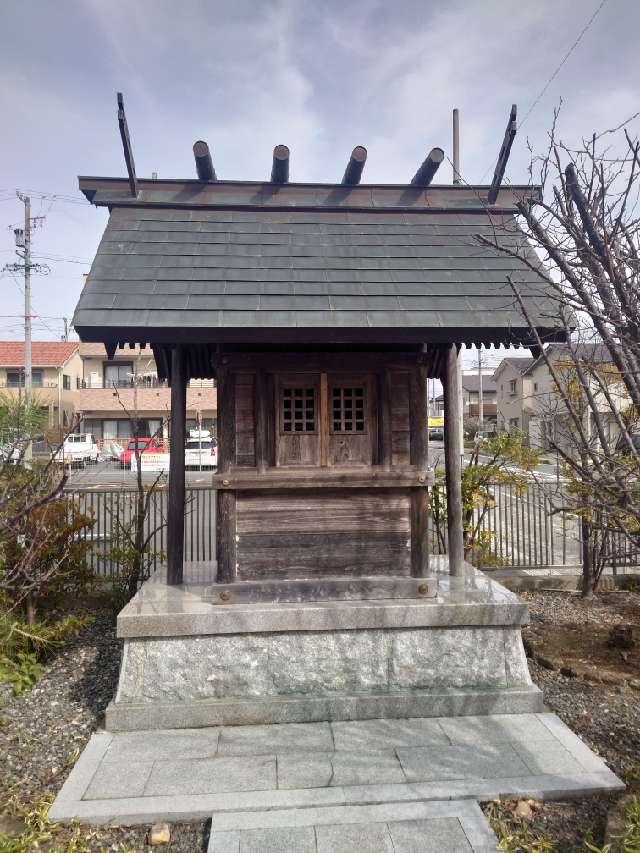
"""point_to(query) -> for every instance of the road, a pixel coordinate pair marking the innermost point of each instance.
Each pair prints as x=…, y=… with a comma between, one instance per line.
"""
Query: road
x=111, y=475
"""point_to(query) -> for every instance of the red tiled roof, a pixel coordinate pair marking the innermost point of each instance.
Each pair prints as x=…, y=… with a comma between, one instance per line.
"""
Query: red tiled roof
x=43, y=353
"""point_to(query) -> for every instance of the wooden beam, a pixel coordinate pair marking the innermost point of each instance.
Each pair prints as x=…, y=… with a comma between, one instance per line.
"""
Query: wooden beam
x=353, y=172
x=280, y=168
x=175, y=510
x=204, y=163
x=384, y=424
x=126, y=146
x=503, y=156
x=452, y=459
x=419, y=414
x=261, y=422
x=429, y=167
x=226, y=500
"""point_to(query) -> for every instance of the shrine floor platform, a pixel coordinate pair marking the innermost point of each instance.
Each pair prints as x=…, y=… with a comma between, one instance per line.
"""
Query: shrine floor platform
x=299, y=776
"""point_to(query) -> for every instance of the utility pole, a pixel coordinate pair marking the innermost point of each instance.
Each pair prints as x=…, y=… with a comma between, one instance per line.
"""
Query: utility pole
x=457, y=180
x=480, y=400
x=23, y=241
x=27, y=304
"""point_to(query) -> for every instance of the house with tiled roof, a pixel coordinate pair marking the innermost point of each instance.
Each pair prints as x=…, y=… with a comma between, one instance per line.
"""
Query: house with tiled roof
x=56, y=370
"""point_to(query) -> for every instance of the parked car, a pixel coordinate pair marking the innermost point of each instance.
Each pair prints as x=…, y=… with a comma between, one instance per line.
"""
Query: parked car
x=145, y=445
x=78, y=448
x=200, y=450
x=436, y=434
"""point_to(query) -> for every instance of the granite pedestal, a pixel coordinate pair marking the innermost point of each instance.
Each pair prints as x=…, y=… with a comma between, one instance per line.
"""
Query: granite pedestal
x=189, y=662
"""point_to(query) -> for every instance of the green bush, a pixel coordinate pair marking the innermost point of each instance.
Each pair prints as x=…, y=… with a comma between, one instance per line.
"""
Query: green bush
x=23, y=646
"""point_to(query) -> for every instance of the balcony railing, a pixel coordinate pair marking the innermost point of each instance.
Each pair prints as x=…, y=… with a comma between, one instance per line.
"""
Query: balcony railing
x=140, y=382
x=51, y=383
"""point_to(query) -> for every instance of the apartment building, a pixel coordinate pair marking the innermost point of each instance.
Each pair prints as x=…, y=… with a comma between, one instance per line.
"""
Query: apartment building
x=77, y=383
x=113, y=392
x=56, y=370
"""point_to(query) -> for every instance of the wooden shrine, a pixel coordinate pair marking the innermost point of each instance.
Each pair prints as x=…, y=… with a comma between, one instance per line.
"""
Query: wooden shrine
x=321, y=310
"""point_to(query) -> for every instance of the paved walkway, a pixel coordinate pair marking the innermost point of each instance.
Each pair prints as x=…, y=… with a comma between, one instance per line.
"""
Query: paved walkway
x=384, y=776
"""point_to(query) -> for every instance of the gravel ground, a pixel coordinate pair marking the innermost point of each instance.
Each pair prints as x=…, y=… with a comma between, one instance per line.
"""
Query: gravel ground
x=606, y=717
x=43, y=731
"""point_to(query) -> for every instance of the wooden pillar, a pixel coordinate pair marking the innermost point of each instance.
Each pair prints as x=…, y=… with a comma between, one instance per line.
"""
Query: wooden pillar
x=452, y=459
x=226, y=500
x=385, y=437
x=419, y=455
x=175, y=512
x=261, y=422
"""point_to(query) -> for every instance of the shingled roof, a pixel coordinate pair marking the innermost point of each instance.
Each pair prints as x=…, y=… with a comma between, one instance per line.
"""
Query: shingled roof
x=224, y=261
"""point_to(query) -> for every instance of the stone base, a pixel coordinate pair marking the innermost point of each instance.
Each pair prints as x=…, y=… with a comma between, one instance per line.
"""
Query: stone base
x=190, y=663
x=134, y=716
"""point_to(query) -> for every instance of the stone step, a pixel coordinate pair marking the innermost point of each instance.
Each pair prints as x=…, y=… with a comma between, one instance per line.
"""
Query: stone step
x=452, y=826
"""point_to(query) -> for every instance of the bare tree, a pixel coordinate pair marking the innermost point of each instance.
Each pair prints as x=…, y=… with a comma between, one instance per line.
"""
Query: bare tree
x=38, y=526
x=132, y=533
x=586, y=232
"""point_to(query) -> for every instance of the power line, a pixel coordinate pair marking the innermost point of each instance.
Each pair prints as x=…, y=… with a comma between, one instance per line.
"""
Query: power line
x=562, y=62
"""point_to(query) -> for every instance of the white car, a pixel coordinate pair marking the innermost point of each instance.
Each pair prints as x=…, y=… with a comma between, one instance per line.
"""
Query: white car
x=200, y=450
x=78, y=449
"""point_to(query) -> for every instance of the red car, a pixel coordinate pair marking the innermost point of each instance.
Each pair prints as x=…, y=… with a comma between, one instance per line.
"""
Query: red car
x=145, y=445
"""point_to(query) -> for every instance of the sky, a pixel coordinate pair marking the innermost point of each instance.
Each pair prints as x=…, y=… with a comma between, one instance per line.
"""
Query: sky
x=320, y=76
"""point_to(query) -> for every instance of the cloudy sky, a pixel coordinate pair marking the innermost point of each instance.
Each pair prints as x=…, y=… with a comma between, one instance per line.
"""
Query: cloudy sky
x=318, y=75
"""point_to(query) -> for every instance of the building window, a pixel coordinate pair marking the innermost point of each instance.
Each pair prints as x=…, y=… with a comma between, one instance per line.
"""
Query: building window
x=298, y=407
x=535, y=386
x=118, y=375
x=66, y=382
x=15, y=378
x=512, y=386
x=347, y=406
x=514, y=422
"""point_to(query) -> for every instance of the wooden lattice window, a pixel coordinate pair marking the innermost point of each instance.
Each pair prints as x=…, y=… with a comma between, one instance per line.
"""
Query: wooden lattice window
x=347, y=406
x=298, y=410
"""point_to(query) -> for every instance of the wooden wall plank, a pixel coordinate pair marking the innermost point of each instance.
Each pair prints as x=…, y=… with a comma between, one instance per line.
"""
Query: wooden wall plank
x=245, y=419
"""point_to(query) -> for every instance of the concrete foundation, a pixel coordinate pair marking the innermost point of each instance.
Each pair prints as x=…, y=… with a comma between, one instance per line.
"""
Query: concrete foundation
x=188, y=662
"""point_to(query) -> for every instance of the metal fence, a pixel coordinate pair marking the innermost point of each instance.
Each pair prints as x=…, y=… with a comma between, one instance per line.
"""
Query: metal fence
x=113, y=509
x=521, y=528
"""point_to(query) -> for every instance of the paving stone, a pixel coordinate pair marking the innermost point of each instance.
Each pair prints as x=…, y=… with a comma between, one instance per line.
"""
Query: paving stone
x=267, y=740
x=495, y=728
x=163, y=744
x=310, y=770
x=486, y=761
x=352, y=768
x=224, y=842
x=573, y=744
x=117, y=780
x=382, y=735
x=349, y=838
x=440, y=835
x=212, y=776
x=548, y=758
x=315, y=770
x=290, y=839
